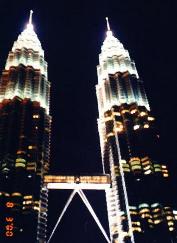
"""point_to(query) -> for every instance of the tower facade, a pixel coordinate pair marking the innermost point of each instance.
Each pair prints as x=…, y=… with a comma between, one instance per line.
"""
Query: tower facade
x=24, y=140
x=140, y=207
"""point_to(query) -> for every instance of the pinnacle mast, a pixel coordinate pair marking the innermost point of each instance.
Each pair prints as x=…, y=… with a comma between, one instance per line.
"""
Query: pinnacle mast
x=108, y=25
x=30, y=17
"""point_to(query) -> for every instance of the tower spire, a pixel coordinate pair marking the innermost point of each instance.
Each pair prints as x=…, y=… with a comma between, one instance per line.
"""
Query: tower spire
x=108, y=26
x=30, y=24
x=30, y=17
x=109, y=32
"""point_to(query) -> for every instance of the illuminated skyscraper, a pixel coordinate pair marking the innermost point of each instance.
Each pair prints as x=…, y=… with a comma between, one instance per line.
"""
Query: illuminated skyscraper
x=139, y=207
x=24, y=140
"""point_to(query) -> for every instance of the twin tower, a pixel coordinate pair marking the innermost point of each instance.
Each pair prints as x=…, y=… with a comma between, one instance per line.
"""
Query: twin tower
x=138, y=206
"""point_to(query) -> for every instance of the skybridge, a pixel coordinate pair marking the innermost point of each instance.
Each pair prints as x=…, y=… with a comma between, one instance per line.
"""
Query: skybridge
x=77, y=184
x=83, y=182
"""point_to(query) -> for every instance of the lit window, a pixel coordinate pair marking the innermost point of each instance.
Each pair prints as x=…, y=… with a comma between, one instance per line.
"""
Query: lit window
x=175, y=212
x=147, y=172
x=110, y=134
x=136, y=167
x=20, y=160
x=108, y=118
x=119, y=127
x=116, y=113
x=31, y=147
x=144, y=205
x=157, y=221
x=16, y=194
x=135, y=161
x=146, y=125
x=123, y=161
x=150, y=118
x=171, y=228
x=156, y=210
x=142, y=113
x=124, y=111
x=20, y=165
x=136, y=127
x=20, y=152
x=133, y=111
x=165, y=175
x=155, y=205
x=158, y=170
x=35, y=116
x=28, y=197
x=169, y=217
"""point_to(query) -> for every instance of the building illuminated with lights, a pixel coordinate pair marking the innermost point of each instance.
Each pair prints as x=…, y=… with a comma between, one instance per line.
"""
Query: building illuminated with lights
x=139, y=209
x=24, y=140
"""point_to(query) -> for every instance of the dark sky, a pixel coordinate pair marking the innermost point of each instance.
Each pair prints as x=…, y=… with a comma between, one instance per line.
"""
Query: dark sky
x=72, y=33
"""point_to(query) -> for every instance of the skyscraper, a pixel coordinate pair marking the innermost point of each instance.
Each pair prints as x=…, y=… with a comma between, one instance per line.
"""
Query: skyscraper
x=24, y=140
x=140, y=205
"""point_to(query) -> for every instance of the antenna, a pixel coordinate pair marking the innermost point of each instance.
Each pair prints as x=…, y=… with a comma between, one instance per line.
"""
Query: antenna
x=108, y=26
x=30, y=17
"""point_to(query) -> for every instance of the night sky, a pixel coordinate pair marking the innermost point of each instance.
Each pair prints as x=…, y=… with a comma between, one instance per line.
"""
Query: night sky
x=71, y=33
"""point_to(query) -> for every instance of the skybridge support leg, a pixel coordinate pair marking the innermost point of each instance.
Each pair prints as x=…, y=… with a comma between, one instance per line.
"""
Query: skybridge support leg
x=89, y=207
x=62, y=213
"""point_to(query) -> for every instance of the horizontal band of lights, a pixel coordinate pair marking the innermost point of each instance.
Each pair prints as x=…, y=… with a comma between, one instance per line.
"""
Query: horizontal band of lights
x=71, y=182
x=153, y=214
x=32, y=122
x=77, y=179
x=142, y=166
x=115, y=120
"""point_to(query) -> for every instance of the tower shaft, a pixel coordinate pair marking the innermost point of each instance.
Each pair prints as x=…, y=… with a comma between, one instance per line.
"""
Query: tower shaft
x=137, y=207
x=24, y=140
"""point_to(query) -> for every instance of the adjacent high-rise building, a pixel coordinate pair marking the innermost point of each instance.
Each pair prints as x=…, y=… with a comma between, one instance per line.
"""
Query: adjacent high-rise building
x=140, y=205
x=24, y=140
